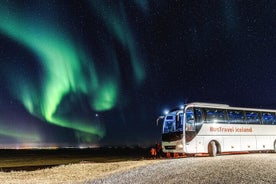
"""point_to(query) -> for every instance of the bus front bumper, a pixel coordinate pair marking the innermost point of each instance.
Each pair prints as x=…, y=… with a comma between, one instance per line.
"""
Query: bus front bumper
x=173, y=147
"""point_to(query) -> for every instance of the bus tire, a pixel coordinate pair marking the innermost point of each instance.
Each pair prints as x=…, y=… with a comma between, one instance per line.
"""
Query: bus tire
x=212, y=149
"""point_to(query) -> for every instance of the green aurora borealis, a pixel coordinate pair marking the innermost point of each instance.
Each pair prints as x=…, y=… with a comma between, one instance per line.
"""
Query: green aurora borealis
x=67, y=68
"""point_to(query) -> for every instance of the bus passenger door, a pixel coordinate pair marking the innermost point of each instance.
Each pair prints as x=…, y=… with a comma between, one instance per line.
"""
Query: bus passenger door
x=190, y=132
x=199, y=120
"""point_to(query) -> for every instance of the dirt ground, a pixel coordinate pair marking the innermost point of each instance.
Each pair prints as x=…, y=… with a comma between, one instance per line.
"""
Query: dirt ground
x=256, y=168
x=72, y=173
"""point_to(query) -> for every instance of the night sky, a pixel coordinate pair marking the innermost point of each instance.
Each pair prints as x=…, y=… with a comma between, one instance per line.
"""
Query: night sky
x=90, y=73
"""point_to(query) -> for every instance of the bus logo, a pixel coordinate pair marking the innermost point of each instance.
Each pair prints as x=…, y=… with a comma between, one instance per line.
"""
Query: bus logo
x=231, y=130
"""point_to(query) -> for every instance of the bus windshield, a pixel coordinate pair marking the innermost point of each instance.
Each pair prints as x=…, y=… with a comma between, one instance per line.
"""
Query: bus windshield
x=173, y=122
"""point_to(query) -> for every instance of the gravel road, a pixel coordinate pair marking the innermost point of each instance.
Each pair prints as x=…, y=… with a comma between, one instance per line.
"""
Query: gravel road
x=245, y=168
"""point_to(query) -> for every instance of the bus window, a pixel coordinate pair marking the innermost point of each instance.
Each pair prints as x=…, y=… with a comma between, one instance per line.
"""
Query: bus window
x=252, y=117
x=215, y=116
x=199, y=119
x=236, y=117
x=190, y=120
x=179, y=122
x=168, y=127
x=169, y=124
x=268, y=118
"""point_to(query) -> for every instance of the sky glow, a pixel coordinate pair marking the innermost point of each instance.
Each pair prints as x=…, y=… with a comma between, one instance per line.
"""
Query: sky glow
x=62, y=62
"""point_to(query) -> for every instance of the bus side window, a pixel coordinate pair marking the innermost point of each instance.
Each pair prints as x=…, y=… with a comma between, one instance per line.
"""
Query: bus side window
x=236, y=117
x=252, y=117
x=198, y=119
x=268, y=118
x=215, y=116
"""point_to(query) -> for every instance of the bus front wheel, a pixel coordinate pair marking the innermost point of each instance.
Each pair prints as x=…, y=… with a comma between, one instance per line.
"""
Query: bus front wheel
x=212, y=149
x=275, y=146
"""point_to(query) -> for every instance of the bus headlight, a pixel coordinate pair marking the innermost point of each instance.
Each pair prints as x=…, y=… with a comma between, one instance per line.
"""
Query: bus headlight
x=180, y=146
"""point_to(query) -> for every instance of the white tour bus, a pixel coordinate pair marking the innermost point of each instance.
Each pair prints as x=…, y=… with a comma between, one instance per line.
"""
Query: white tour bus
x=217, y=128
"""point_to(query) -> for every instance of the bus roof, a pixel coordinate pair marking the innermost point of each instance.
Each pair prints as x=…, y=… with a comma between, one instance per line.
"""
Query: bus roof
x=201, y=104
x=225, y=106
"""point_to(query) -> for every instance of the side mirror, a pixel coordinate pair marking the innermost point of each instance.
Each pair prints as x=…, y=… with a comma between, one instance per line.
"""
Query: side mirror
x=177, y=118
x=159, y=119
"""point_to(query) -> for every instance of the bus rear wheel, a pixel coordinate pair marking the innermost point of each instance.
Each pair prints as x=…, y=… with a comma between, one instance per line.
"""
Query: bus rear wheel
x=212, y=149
x=275, y=146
